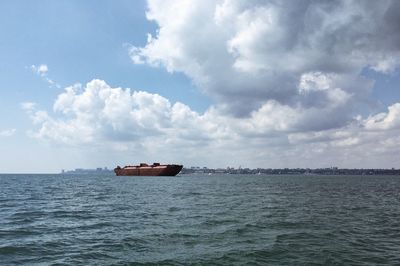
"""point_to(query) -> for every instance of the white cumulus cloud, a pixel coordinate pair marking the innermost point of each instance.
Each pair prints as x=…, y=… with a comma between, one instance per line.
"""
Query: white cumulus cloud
x=150, y=126
x=385, y=121
x=98, y=112
x=246, y=53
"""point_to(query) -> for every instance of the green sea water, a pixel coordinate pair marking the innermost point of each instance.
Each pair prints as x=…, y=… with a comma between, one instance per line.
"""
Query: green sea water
x=199, y=220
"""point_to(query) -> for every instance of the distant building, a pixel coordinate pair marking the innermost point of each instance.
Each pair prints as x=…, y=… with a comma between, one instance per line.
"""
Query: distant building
x=82, y=171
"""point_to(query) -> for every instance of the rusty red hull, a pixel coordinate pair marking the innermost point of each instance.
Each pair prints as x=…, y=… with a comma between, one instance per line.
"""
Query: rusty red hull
x=149, y=170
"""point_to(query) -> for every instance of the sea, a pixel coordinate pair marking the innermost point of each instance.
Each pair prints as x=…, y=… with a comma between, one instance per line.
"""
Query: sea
x=199, y=220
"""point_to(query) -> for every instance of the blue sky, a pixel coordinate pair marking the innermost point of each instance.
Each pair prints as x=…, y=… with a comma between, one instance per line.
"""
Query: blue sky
x=225, y=83
x=78, y=41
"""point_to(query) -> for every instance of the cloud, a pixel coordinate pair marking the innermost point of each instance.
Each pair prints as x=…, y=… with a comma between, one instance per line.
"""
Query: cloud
x=247, y=53
x=7, y=132
x=287, y=80
x=42, y=71
x=28, y=106
x=98, y=112
x=385, y=121
x=120, y=120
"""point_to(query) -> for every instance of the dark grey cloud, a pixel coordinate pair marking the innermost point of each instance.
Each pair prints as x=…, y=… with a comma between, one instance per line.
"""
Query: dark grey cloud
x=245, y=53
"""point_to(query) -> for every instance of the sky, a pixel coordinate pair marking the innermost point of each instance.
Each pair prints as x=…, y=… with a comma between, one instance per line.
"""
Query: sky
x=214, y=83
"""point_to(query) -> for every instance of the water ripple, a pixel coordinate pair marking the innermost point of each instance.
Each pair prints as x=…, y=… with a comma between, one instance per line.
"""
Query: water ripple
x=199, y=220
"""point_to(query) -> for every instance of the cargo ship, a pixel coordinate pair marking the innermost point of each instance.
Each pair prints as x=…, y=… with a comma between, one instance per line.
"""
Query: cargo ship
x=144, y=169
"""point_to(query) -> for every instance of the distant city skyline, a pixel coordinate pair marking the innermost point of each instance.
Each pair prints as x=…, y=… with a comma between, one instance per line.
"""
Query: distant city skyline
x=218, y=83
x=255, y=171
